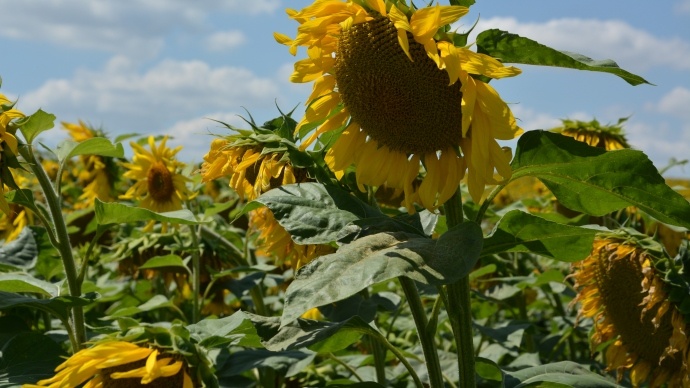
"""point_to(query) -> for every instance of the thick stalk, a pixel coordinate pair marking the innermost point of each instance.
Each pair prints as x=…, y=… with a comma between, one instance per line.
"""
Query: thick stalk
x=459, y=305
x=420, y=320
x=63, y=244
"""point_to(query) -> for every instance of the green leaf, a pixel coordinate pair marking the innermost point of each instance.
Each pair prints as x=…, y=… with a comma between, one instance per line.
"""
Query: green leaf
x=19, y=282
x=593, y=181
x=24, y=197
x=488, y=370
x=518, y=231
x=318, y=336
x=93, y=146
x=21, y=252
x=157, y=302
x=288, y=362
x=59, y=306
x=27, y=358
x=168, y=262
x=33, y=125
x=564, y=373
x=512, y=48
x=313, y=213
x=235, y=330
x=464, y=3
x=116, y=213
x=380, y=257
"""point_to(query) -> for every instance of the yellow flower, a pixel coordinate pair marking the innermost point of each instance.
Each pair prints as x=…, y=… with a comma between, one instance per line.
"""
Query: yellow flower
x=610, y=137
x=405, y=95
x=8, y=143
x=621, y=289
x=116, y=364
x=158, y=184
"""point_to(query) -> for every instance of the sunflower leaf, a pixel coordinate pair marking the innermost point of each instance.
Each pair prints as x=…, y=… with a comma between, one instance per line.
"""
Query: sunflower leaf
x=59, y=306
x=313, y=213
x=22, y=252
x=24, y=197
x=593, y=181
x=558, y=374
x=518, y=231
x=512, y=48
x=93, y=146
x=32, y=126
x=116, y=213
x=28, y=357
x=381, y=257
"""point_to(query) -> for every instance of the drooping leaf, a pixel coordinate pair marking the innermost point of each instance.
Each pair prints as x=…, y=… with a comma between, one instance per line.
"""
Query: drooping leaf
x=319, y=336
x=512, y=48
x=593, y=181
x=116, y=213
x=22, y=282
x=27, y=358
x=59, y=306
x=93, y=146
x=565, y=373
x=313, y=213
x=169, y=262
x=518, y=231
x=21, y=252
x=380, y=257
x=290, y=362
x=236, y=329
x=24, y=197
x=33, y=125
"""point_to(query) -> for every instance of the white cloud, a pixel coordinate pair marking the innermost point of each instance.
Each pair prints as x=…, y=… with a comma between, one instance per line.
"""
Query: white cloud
x=676, y=103
x=225, y=40
x=633, y=49
x=195, y=135
x=134, y=27
x=127, y=99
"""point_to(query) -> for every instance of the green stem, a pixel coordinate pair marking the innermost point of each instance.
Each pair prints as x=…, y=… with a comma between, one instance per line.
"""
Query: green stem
x=63, y=243
x=346, y=366
x=196, y=276
x=234, y=254
x=485, y=204
x=459, y=302
x=382, y=340
x=420, y=320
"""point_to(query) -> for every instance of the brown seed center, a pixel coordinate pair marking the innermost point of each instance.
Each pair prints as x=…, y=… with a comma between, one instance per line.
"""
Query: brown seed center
x=160, y=182
x=405, y=105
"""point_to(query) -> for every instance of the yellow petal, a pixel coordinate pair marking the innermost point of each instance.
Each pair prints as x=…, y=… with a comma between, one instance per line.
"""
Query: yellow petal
x=378, y=6
x=425, y=23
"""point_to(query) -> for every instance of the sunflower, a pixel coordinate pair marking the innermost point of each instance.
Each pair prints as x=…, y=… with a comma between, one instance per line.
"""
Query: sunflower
x=96, y=174
x=610, y=137
x=391, y=76
x=8, y=147
x=256, y=163
x=119, y=364
x=622, y=287
x=158, y=183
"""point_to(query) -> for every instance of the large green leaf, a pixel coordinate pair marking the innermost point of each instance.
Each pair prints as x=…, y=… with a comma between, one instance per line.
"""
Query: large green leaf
x=169, y=262
x=21, y=252
x=380, y=257
x=518, y=231
x=511, y=48
x=59, y=306
x=288, y=362
x=156, y=302
x=116, y=213
x=21, y=282
x=564, y=373
x=318, y=336
x=313, y=213
x=27, y=358
x=236, y=329
x=93, y=146
x=33, y=125
x=593, y=181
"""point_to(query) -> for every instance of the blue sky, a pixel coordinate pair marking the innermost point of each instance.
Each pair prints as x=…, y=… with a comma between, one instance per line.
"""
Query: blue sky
x=165, y=66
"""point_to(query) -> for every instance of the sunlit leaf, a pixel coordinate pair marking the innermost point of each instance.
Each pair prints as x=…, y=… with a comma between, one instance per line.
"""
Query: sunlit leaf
x=511, y=48
x=168, y=262
x=236, y=329
x=319, y=336
x=565, y=373
x=20, y=282
x=518, y=231
x=116, y=213
x=93, y=146
x=593, y=181
x=24, y=197
x=157, y=302
x=33, y=125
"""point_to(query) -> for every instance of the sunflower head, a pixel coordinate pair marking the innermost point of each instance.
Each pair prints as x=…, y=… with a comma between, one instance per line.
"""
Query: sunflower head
x=8, y=147
x=390, y=83
x=610, y=136
x=121, y=364
x=626, y=287
x=158, y=182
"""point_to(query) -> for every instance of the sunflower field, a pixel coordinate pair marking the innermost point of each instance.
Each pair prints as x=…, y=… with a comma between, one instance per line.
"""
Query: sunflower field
x=379, y=237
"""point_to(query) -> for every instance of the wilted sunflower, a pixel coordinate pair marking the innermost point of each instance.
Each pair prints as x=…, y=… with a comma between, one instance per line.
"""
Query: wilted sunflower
x=96, y=174
x=392, y=76
x=621, y=288
x=610, y=137
x=8, y=146
x=119, y=364
x=158, y=183
x=253, y=168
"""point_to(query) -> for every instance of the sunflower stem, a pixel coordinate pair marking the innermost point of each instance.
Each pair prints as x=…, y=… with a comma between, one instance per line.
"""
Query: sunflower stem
x=433, y=364
x=459, y=303
x=64, y=247
x=196, y=275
